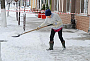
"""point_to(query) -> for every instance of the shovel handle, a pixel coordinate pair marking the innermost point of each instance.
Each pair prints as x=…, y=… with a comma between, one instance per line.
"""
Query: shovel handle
x=32, y=30
x=49, y=24
x=36, y=29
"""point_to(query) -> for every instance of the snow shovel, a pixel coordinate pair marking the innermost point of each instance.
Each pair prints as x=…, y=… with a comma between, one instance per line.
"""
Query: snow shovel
x=32, y=30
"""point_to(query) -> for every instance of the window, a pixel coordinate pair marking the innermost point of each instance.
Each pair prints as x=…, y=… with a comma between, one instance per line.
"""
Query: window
x=45, y=1
x=83, y=6
x=56, y=5
x=28, y=2
x=68, y=6
x=39, y=3
x=86, y=6
x=42, y=1
x=49, y=1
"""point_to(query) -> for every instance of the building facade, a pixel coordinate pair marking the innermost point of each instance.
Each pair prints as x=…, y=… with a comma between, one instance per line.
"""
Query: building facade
x=73, y=6
x=82, y=7
x=82, y=19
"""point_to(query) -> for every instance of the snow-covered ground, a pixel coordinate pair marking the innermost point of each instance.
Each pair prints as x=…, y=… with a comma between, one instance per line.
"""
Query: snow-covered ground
x=32, y=46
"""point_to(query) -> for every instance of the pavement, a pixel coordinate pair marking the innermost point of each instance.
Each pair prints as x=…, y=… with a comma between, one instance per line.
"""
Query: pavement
x=25, y=49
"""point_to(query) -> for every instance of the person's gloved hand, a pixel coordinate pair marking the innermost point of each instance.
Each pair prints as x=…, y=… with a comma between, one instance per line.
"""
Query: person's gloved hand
x=55, y=23
x=38, y=28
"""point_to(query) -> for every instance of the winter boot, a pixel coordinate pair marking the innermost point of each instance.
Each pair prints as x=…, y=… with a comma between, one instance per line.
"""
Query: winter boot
x=63, y=45
x=51, y=43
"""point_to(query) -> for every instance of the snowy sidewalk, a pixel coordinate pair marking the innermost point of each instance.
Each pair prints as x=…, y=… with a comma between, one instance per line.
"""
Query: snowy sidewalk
x=32, y=46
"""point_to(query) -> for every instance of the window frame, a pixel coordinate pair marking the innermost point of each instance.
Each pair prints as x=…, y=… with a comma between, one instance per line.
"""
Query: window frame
x=69, y=7
x=85, y=9
x=57, y=8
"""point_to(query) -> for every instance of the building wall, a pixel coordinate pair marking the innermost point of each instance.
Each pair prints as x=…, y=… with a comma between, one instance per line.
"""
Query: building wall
x=66, y=18
x=82, y=23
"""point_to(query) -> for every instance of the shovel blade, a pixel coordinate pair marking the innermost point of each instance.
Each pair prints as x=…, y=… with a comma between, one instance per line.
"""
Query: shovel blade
x=16, y=36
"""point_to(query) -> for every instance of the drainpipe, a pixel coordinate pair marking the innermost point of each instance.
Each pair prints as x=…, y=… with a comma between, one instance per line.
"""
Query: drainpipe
x=89, y=14
x=89, y=24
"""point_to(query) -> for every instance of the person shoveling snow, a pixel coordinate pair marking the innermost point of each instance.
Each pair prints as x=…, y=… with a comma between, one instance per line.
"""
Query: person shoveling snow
x=53, y=18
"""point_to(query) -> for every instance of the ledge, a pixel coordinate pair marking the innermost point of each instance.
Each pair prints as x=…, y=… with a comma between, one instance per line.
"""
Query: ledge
x=82, y=15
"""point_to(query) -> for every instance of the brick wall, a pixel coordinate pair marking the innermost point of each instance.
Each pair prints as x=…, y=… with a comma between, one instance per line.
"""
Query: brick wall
x=82, y=23
x=66, y=18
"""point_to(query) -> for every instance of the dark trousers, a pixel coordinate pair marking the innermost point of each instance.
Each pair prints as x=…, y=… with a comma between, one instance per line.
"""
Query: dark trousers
x=59, y=34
